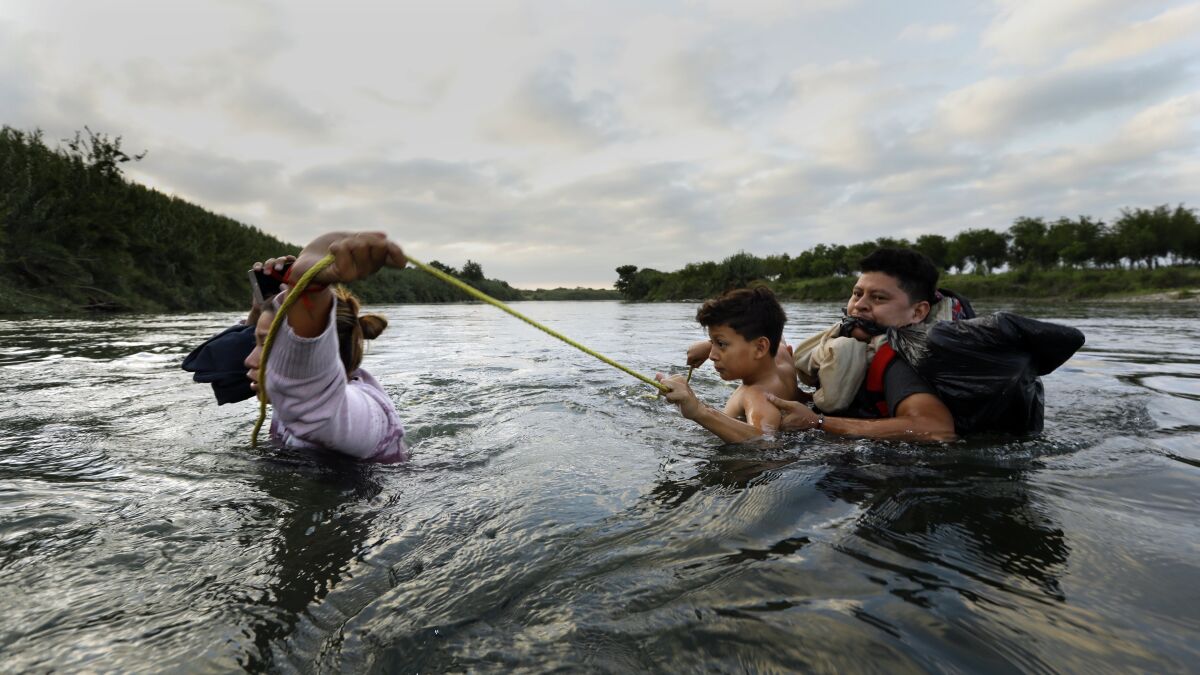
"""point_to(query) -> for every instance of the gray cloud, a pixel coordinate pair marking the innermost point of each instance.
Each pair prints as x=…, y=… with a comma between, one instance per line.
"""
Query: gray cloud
x=427, y=96
x=30, y=101
x=1001, y=106
x=213, y=179
x=425, y=179
x=547, y=110
x=263, y=107
x=724, y=83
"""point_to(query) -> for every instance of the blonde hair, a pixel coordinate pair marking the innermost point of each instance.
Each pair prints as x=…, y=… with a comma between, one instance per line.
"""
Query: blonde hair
x=352, y=329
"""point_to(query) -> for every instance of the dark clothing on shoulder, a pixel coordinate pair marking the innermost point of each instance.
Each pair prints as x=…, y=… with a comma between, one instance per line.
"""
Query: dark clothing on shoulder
x=220, y=361
x=899, y=382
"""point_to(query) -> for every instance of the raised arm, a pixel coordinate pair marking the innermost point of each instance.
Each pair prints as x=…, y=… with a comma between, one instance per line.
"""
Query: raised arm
x=357, y=255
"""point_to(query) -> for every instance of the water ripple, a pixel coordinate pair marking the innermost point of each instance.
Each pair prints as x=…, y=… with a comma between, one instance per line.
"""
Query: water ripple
x=556, y=516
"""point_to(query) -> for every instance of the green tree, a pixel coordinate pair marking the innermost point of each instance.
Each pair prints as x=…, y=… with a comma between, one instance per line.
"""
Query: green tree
x=1137, y=232
x=472, y=271
x=984, y=249
x=625, y=278
x=851, y=257
x=1029, y=244
x=445, y=268
x=936, y=248
x=778, y=266
x=1186, y=227
x=740, y=270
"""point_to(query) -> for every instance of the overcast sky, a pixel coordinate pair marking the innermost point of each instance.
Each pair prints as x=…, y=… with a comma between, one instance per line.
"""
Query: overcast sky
x=553, y=141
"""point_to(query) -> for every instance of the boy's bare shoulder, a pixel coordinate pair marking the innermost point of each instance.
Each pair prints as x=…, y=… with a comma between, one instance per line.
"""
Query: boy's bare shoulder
x=756, y=407
x=755, y=392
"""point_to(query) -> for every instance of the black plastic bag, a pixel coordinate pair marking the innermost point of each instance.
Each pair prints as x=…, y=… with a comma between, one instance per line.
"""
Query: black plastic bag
x=220, y=361
x=986, y=370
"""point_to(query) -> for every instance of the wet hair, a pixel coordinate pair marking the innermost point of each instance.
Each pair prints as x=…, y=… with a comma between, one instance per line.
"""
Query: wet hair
x=352, y=329
x=750, y=312
x=913, y=271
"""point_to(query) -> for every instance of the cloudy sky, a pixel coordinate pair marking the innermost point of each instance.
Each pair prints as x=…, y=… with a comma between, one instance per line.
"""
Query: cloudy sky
x=552, y=141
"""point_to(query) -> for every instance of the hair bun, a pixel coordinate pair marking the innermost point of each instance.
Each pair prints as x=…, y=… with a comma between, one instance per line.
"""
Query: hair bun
x=372, y=325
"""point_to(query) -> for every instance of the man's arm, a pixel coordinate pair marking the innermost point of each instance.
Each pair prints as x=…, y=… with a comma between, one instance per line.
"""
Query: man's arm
x=729, y=429
x=919, y=417
x=356, y=255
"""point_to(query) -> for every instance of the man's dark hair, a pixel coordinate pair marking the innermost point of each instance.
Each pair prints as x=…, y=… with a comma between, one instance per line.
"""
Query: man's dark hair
x=913, y=271
x=750, y=312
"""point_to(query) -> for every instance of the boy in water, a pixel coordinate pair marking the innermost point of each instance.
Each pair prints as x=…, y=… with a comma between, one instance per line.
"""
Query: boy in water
x=745, y=329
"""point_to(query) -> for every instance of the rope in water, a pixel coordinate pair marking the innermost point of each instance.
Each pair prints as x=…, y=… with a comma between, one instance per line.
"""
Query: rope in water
x=304, y=280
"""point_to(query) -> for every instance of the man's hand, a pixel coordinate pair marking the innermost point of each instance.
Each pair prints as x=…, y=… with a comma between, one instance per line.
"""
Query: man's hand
x=681, y=395
x=356, y=255
x=698, y=353
x=796, y=415
x=272, y=267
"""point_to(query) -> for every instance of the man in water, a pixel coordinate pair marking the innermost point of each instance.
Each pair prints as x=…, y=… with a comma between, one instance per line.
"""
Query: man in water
x=896, y=288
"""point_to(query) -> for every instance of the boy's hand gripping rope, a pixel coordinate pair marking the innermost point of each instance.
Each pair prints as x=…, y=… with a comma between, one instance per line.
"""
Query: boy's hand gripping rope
x=304, y=280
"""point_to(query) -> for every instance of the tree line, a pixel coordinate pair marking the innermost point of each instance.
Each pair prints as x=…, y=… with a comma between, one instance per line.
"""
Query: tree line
x=1144, y=238
x=74, y=233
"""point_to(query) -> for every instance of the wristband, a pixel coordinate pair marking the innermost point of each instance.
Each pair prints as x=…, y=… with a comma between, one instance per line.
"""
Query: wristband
x=820, y=422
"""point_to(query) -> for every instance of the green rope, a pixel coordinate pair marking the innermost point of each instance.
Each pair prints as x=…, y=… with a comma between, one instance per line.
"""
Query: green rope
x=304, y=280
x=480, y=295
x=292, y=296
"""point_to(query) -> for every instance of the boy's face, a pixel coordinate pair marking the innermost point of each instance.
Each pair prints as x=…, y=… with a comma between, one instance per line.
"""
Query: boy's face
x=734, y=356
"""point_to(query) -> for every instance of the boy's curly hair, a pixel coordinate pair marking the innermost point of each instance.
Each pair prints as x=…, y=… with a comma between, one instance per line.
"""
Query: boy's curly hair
x=751, y=312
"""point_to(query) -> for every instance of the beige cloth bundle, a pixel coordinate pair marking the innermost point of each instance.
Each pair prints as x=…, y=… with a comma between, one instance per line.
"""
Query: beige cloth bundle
x=837, y=365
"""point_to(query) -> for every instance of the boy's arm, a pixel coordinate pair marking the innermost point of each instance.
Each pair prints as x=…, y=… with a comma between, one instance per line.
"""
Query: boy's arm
x=727, y=428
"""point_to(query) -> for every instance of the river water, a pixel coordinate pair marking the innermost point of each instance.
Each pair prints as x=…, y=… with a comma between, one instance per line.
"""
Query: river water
x=555, y=517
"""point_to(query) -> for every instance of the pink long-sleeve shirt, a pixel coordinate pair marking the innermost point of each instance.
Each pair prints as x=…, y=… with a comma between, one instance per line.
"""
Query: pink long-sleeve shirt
x=315, y=406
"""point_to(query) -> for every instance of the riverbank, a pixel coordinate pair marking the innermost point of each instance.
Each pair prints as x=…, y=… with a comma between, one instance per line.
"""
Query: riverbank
x=1174, y=283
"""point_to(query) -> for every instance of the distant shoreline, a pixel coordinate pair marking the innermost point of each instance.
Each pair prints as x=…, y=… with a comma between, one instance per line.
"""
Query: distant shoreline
x=1178, y=283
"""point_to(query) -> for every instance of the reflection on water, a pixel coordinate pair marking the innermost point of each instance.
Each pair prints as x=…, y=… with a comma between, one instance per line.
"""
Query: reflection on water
x=555, y=517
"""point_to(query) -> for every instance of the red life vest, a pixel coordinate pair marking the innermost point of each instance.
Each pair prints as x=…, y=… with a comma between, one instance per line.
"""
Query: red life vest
x=875, y=372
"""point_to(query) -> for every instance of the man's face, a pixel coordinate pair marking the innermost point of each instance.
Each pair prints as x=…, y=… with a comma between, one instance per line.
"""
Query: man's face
x=878, y=297
x=732, y=355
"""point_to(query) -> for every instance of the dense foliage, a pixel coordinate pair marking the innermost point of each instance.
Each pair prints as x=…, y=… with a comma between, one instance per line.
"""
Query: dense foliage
x=1090, y=257
x=410, y=285
x=75, y=234
x=577, y=293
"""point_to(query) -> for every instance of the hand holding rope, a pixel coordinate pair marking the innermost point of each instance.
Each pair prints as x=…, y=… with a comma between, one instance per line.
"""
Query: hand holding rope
x=297, y=291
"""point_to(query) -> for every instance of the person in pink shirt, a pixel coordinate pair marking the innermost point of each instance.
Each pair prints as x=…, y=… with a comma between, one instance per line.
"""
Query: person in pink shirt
x=320, y=396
